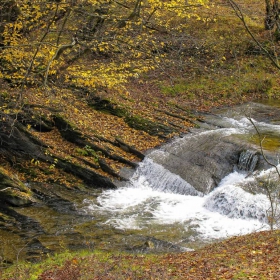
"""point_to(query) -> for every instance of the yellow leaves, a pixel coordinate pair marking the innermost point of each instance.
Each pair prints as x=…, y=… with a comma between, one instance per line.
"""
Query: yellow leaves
x=104, y=46
x=110, y=75
x=256, y=252
x=80, y=122
x=35, y=162
x=52, y=166
x=6, y=111
x=131, y=49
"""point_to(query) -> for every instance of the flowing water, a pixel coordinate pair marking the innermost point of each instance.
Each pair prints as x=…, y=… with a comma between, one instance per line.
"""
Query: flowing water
x=161, y=201
x=197, y=189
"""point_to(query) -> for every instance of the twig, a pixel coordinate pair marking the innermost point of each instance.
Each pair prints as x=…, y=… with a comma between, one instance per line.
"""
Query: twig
x=5, y=189
x=57, y=54
x=272, y=217
x=240, y=15
x=261, y=146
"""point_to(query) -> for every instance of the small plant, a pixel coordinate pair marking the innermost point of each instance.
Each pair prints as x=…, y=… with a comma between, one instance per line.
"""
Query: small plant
x=92, y=152
x=81, y=152
x=53, y=164
x=273, y=193
x=88, y=151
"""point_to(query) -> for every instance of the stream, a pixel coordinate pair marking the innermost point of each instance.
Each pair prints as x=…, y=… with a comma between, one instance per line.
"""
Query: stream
x=202, y=187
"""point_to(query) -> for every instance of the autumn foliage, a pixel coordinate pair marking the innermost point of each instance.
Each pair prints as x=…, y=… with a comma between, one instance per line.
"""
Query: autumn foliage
x=126, y=76
x=43, y=43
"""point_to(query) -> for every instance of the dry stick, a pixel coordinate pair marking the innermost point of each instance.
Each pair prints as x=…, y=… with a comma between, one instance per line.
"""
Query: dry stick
x=240, y=15
x=121, y=4
x=261, y=146
x=273, y=210
x=5, y=189
x=56, y=56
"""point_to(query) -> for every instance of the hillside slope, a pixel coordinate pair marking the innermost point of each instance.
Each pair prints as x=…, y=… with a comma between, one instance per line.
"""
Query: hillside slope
x=80, y=137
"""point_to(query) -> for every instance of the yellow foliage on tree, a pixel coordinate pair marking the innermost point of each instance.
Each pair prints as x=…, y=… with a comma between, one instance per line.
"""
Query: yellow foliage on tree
x=87, y=42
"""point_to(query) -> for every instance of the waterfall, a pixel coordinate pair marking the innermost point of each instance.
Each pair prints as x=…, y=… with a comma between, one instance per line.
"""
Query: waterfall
x=187, y=190
x=248, y=160
x=161, y=179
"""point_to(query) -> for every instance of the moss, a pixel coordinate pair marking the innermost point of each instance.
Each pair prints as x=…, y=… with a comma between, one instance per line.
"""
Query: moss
x=105, y=106
x=29, y=172
x=153, y=128
x=13, y=191
x=81, y=152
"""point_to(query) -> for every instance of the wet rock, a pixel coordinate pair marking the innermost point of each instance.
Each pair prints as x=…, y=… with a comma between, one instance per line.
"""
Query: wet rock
x=201, y=161
x=204, y=158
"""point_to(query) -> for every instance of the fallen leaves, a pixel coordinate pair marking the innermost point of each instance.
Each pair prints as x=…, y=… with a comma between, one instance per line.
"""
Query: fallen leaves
x=230, y=259
x=255, y=256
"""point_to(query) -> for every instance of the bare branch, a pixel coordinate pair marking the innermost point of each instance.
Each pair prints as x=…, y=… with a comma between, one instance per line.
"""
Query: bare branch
x=261, y=146
x=240, y=15
x=57, y=54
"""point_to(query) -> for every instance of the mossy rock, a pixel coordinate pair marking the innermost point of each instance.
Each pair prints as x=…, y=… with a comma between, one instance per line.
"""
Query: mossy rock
x=5, y=219
x=67, y=130
x=153, y=128
x=136, y=122
x=105, y=106
x=13, y=191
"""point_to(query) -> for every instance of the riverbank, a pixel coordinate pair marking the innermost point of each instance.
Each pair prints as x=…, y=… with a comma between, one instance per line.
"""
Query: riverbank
x=254, y=256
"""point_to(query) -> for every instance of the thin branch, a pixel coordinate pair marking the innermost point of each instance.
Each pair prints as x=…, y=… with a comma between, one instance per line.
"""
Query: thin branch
x=38, y=44
x=37, y=50
x=63, y=25
x=240, y=15
x=121, y=4
x=57, y=54
x=5, y=189
x=261, y=139
x=273, y=205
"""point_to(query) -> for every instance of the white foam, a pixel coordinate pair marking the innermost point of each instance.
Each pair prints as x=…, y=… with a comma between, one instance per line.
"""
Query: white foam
x=234, y=202
x=242, y=123
x=140, y=206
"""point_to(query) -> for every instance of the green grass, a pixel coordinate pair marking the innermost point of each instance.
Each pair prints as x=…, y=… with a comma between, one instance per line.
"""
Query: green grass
x=257, y=82
x=31, y=271
x=243, y=257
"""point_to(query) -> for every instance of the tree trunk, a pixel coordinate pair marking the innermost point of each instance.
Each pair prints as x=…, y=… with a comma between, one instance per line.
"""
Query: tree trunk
x=272, y=19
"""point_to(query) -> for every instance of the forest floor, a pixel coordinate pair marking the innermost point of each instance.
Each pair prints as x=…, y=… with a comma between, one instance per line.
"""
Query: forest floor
x=221, y=67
